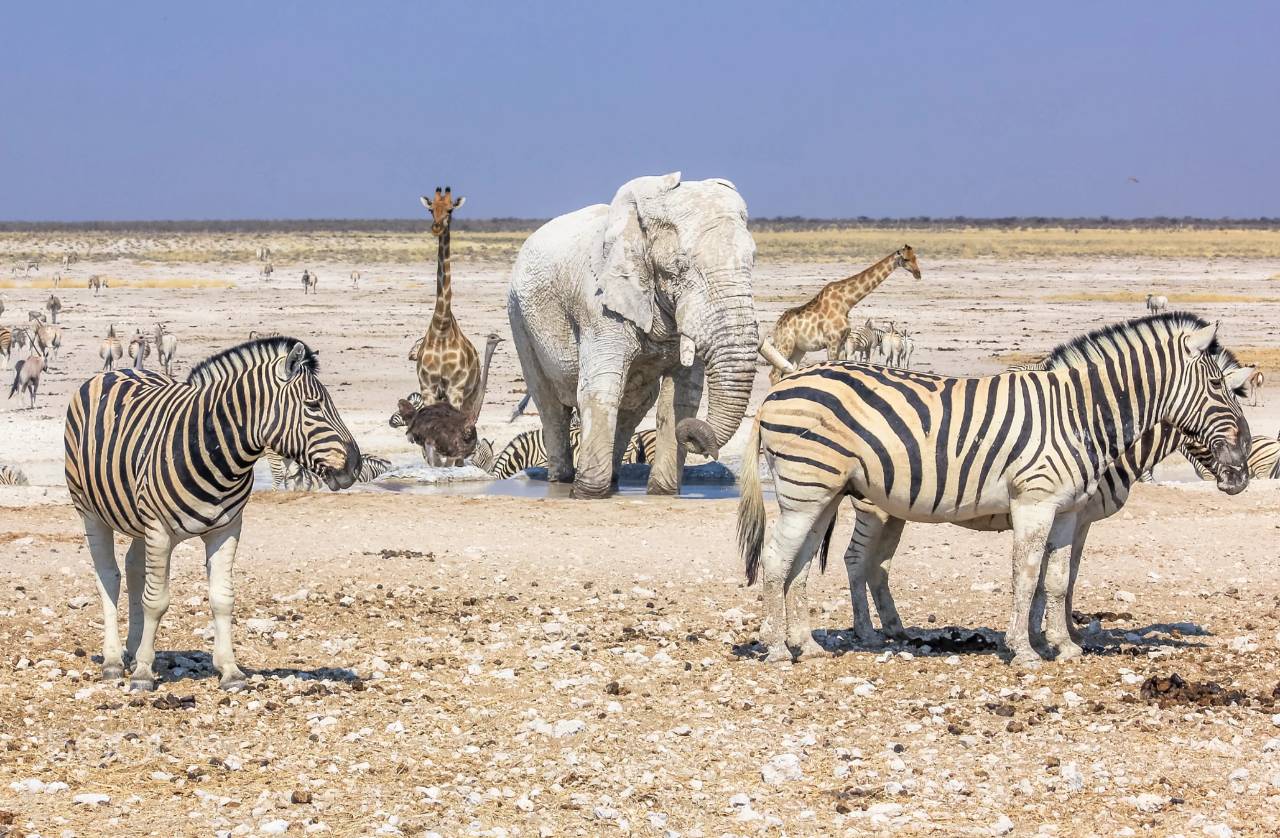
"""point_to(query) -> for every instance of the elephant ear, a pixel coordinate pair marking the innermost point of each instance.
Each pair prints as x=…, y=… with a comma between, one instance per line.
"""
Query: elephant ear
x=625, y=278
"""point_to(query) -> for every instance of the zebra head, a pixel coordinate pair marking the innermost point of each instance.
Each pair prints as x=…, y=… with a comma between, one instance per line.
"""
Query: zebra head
x=441, y=207
x=1235, y=377
x=304, y=424
x=1207, y=409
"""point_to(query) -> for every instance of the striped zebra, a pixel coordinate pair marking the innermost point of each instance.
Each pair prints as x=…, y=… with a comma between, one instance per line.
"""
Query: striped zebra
x=12, y=476
x=6, y=343
x=288, y=474
x=876, y=535
x=1264, y=458
x=863, y=340
x=930, y=448
x=163, y=461
x=527, y=450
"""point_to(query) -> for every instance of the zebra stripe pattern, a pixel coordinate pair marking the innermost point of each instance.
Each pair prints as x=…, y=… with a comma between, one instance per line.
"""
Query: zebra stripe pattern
x=163, y=461
x=12, y=476
x=287, y=474
x=876, y=535
x=526, y=451
x=1033, y=445
x=1264, y=458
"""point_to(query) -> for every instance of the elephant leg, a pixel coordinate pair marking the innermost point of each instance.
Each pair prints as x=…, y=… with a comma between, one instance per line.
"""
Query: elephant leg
x=639, y=397
x=681, y=394
x=554, y=413
x=599, y=399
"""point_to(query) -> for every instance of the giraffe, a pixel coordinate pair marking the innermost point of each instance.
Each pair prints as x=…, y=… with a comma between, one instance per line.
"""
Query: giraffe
x=823, y=322
x=448, y=365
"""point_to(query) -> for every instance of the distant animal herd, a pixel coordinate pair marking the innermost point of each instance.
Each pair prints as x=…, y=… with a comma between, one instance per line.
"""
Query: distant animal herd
x=645, y=303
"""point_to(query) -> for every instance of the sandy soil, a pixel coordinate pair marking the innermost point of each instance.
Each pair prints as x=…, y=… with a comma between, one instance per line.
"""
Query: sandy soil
x=472, y=664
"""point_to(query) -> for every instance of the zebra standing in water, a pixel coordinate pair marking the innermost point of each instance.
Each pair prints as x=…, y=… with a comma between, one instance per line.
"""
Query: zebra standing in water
x=215, y=426
x=876, y=535
x=527, y=450
x=921, y=447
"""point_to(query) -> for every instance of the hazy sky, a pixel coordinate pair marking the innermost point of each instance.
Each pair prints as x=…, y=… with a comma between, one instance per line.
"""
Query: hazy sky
x=290, y=110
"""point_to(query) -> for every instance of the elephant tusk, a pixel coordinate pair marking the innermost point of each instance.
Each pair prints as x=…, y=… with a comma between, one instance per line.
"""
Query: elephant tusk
x=687, y=349
x=771, y=354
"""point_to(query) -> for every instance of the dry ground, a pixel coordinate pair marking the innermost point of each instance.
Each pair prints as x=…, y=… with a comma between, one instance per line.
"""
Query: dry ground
x=486, y=665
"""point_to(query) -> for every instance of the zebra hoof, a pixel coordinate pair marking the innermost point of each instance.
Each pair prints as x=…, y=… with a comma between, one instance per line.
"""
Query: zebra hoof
x=233, y=682
x=810, y=650
x=778, y=655
x=1068, y=651
x=112, y=672
x=142, y=685
x=1026, y=660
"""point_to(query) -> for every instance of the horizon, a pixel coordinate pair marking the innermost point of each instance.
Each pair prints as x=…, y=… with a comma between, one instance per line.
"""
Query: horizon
x=305, y=111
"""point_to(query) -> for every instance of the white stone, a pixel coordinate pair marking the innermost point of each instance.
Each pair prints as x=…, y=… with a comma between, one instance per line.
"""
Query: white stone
x=1002, y=826
x=1071, y=775
x=91, y=798
x=260, y=625
x=567, y=727
x=740, y=799
x=780, y=769
x=1218, y=830
x=278, y=826
x=1146, y=802
x=865, y=689
x=1125, y=596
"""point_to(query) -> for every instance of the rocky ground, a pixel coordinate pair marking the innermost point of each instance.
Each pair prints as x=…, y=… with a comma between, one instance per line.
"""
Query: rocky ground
x=470, y=664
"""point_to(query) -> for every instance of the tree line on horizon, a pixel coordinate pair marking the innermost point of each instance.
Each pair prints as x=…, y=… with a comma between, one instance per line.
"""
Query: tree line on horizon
x=518, y=225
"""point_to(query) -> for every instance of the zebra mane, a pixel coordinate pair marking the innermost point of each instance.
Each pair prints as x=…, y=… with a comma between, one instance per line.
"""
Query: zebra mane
x=1093, y=347
x=247, y=354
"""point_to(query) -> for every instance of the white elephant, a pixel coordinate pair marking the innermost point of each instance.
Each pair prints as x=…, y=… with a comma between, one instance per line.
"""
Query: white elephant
x=610, y=304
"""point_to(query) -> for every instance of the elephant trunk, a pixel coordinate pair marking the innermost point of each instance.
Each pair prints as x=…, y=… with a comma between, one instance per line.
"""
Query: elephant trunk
x=729, y=351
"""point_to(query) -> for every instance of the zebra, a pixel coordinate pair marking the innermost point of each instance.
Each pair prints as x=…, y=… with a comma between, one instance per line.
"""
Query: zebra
x=29, y=265
x=267, y=270
x=355, y=279
x=309, y=282
x=287, y=472
x=96, y=283
x=57, y=280
x=527, y=450
x=12, y=476
x=110, y=351
x=6, y=344
x=863, y=340
x=876, y=534
x=215, y=426
x=1263, y=462
x=167, y=347
x=923, y=447
x=1157, y=303
x=54, y=305
x=68, y=259
x=264, y=254
x=26, y=377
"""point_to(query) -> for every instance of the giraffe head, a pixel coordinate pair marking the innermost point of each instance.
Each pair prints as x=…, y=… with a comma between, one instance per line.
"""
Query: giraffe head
x=906, y=258
x=441, y=206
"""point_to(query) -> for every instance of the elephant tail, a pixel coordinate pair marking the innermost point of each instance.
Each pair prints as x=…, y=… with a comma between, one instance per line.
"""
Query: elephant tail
x=751, y=505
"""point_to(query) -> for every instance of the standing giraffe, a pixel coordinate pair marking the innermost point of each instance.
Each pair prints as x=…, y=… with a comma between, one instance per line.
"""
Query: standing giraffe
x=823, y=322
x=448, y=365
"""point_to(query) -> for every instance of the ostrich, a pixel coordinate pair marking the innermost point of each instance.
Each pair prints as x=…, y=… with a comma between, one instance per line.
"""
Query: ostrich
x=26, y=377
x=54, y=305
x=440, y=428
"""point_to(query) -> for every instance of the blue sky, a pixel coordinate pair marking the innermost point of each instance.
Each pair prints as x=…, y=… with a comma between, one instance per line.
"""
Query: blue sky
x=318, y=109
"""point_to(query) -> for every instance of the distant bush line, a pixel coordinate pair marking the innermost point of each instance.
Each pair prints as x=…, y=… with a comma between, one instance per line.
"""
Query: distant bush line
x=518, y=225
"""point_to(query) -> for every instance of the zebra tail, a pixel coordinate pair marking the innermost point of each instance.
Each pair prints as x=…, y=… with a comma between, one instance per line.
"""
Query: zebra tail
x=826, y=542
x=751, y=506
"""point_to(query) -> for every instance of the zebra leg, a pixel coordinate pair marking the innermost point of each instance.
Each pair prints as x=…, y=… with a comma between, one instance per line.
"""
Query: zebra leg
x=102, y=548
x=1057, y=581
x=780, y=555
x=883, y=533
x=220, y=553
x=799, y=630
x=1032, y=525
x=155, y=601
x=1077, y=553
x=135, y=577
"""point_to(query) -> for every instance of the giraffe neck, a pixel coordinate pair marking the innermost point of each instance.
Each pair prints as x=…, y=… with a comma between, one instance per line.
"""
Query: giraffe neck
x=444, y=285
x=847, y=292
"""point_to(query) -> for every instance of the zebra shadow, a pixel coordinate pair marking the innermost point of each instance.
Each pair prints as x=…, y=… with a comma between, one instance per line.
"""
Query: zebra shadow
x=960, y=640
x=174, y=667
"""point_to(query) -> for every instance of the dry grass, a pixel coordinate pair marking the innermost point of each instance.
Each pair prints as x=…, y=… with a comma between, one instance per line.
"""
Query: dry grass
x=863, y=245
x=1008, y=359
x=1264, y=357
x=119, y=282
x=1174, y=299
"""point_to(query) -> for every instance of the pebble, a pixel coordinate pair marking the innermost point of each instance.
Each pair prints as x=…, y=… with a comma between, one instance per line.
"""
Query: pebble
x=91, y=798
x=1125, y=596
x=1002, y=826
x=781, y=768
x=567, y=727
x=274, y=827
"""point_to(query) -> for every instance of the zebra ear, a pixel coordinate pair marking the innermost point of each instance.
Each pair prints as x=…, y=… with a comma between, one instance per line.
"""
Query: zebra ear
x=1201, y=339
x=296, y=361
x=1237, y=377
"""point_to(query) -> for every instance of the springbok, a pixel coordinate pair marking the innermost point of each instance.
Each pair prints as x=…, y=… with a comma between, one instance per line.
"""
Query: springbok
x=267, y=270
x=355, y=279
x=96, y=283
